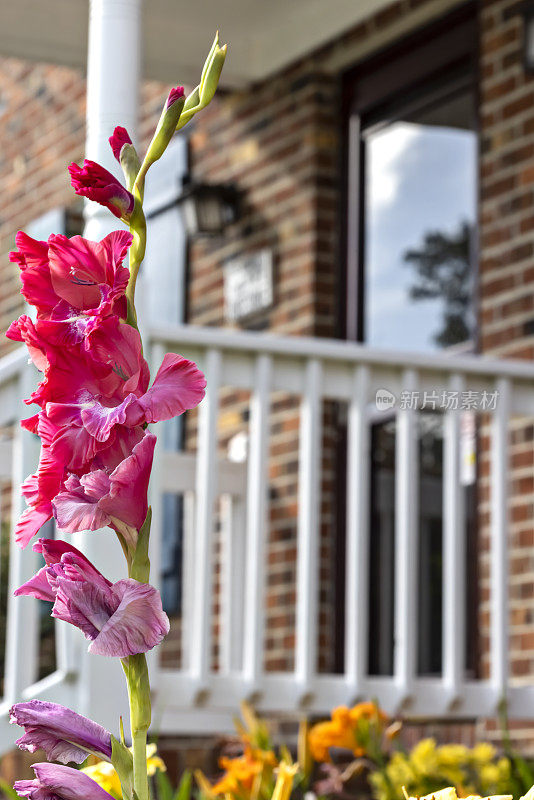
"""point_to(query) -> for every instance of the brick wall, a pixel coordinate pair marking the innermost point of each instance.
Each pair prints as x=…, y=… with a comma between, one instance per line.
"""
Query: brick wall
x=280, y=146
x=507, y=305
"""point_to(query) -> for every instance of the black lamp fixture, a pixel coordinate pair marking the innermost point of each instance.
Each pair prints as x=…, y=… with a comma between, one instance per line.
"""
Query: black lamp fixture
x=208, y=208
x=526, y=9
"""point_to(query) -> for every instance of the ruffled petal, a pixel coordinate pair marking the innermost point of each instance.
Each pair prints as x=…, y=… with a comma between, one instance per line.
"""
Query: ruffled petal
x=58, y=782
x=127, y=497
x=179, y=385
x=64, y=735
x=138, y=624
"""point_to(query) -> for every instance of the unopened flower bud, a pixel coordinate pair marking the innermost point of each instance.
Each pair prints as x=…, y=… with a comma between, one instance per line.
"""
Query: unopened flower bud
x=118, y=139
x=203, y=94
x=166, y=125
x=126, y=154
x=96, y=183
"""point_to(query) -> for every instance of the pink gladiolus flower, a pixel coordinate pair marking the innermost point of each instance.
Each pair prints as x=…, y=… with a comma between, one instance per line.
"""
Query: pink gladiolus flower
x=100, y=498
x=117, y=141
x=69, y=278
x=119, y=619
x=179, y=385
x=40, y=489
x=107, y=363
x=96, y=183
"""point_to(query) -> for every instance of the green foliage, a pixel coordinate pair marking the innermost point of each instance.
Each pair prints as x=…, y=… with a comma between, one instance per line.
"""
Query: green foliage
x=7, y=790
x=522, y=772
x=122, y=760
x=165, y=790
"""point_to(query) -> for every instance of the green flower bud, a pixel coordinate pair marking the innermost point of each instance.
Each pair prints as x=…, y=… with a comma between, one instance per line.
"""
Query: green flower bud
x=166, y=125
x=203, y=94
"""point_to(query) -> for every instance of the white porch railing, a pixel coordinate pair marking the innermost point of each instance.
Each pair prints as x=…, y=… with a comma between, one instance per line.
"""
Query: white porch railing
x=194, y=697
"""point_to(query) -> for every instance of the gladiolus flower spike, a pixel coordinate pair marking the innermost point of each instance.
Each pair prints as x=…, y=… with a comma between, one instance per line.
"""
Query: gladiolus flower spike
x=95, y=403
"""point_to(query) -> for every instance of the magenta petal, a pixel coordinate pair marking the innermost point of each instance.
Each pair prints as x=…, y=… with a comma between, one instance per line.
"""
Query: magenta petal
x=127, y=498
x=118, y=139
x=64, y=735
x=77, y=509
x=96, y=183
x=80, y=269
x=138, y=624
x=38, y=587
x=57, y=782
x=178, y=386
x=30, y=523
x=99, y=420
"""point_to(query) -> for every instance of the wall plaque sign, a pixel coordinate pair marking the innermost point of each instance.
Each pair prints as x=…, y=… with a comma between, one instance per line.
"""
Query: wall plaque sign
x=248, y=285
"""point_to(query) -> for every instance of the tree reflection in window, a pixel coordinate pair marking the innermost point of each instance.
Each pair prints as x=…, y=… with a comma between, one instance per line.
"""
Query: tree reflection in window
x=442, y=264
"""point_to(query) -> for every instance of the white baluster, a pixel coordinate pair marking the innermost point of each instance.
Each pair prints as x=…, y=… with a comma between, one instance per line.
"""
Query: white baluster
x=233, y=571
x=257, y=529
x=22, y=634
x=357, y=556
x=188, y=580
x=155, y=499
x=499, y=539
x=406, y=542
x=206, y=492
x=308, y=527
x=454, y=528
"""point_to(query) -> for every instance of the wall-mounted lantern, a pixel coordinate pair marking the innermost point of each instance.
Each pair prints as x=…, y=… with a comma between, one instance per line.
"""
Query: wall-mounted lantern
x=526, y=9
x=208, y=209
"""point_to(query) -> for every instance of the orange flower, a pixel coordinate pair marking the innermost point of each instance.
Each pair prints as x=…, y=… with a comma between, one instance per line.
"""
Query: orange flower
x=240, y=773
x=343, y=730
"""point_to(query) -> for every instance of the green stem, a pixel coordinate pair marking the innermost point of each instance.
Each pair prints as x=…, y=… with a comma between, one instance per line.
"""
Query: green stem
x=136, y=671
x=137, y=253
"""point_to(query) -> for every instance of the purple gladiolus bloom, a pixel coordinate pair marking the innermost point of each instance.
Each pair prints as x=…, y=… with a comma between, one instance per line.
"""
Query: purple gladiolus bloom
x=53, y=551
x=63, y=735
x=120, y=619
x=56, y=782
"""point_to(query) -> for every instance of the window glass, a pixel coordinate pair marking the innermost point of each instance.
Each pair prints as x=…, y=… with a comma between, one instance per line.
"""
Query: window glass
x=420, y=212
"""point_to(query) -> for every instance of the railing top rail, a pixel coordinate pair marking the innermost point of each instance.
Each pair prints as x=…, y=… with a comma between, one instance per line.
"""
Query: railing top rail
x=338, y=350
x=12, y=363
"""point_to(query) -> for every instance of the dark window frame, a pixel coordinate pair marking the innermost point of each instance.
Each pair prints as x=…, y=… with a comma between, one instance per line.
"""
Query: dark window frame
x=441, y=59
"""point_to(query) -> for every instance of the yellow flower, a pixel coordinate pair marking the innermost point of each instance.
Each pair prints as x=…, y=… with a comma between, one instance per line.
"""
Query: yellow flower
x=450, y=794
x=104, y=773
x=284, y=781
x=424, y=757
x=153, y=761
x=452, y=754
x=482, y=753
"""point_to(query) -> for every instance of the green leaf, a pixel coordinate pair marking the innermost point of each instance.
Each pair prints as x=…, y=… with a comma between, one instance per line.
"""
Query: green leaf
x=140, y=569
x=122, y=760
x=163, y=786
x=8, y=790
x=183, y=792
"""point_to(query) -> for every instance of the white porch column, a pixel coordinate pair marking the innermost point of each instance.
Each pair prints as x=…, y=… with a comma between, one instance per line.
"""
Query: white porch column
x=113, y=71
